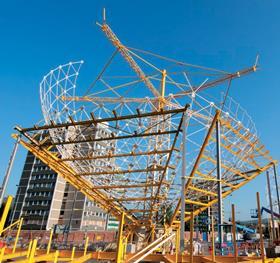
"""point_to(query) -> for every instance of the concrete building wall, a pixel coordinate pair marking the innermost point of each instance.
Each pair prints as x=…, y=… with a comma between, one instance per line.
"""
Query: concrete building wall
x=45, y=200
x=56, y=203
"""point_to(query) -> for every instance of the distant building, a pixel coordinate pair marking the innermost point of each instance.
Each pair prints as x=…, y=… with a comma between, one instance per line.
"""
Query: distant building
x=45, y=199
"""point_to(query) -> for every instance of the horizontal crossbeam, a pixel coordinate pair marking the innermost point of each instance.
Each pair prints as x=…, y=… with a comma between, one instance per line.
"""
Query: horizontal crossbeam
x=148, y=170
x=131, y=154
x=131, y=199
x=128, y=186
x=100, y=139
x=100, y=121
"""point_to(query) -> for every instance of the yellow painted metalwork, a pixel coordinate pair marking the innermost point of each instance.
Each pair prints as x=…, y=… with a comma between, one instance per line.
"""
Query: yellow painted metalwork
x=126, y=55
x=225, y=194
x=32, y=251
x=82, y=259
x=2, y=252
x=13, y=256
x=196, y=203
x=120, y=252
x=56, y=255
x=10, y=226
x=163, y=89
x=73, y=253
x=17, y=235
x=50, y=242
x=202, y=191
x=115, y=205
x=51, y=257
x=177, y=245
x=208, y=158
x=29, y=248
x=67, y=173
x=5, y=212
x=86, y=246
x=236, y=132
x=245, y=179
x=153, y=233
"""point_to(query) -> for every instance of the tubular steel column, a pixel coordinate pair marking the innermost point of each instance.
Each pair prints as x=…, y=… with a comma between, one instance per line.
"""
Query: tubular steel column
x=276, y=185
x=9, y=169
x=271, y=205
x=234, y=233
x=260, y=227
x=183, y=183
x=191, y=236
x=119, y=253
x=219, y=177
x=213, y=238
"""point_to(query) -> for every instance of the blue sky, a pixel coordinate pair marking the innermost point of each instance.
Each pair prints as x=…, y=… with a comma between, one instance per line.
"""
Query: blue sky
x=39, y=35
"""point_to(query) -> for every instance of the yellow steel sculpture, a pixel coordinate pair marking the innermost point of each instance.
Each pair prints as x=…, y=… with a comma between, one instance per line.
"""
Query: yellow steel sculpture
x=121, y=145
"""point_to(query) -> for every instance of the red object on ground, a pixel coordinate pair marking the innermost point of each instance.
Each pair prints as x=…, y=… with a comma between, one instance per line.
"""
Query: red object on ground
x=2, y=244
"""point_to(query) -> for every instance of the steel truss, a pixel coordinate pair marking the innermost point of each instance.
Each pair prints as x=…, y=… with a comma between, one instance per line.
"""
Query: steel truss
x=121, y=145
x=200, y=189
x=112, y=196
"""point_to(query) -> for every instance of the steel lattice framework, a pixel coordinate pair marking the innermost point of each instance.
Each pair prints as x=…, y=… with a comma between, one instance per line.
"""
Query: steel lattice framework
x=121, y=143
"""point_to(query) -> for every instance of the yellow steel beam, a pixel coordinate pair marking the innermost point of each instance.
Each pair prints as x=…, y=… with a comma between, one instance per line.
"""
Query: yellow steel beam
x=162, y=99
x=130, y=199
x=17, y=235
x=2, y=253
x=229, y=148
x=142, y=210
x=32, y=251
x=202, y=191
x=125, y=53
x=146, y=170
x=13, y=256
x=94, y=121
x=210, y=178
x=225, y=194
x=82, y=259
x=86, y=245
x=10, y=226
x=120, y=155
x=188, y=201
x=119, y=254
x=5, y=212
x=128, y=185
x=73, y=253
x=236, y=132
x=69, y=175
x=235, y=171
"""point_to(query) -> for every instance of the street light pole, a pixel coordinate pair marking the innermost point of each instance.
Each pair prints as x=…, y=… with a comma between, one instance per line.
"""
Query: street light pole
x=183, y=183
x=8, y=171
x=271, y=206
x=219, y=178
x=15, y=205
x=276, y=185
